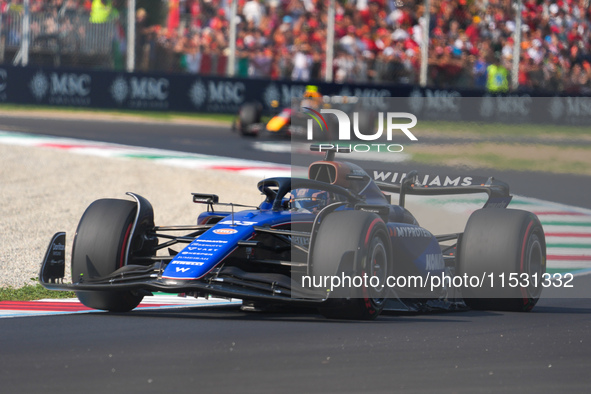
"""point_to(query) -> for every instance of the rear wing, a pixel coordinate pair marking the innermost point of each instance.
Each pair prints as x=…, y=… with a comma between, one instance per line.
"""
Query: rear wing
x=428, y=185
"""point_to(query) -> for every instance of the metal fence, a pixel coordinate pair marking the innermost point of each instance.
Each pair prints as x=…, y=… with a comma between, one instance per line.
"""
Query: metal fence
x=58, y=39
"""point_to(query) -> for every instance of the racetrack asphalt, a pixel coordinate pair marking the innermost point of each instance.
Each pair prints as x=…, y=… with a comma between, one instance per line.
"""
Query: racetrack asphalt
x=225, y=350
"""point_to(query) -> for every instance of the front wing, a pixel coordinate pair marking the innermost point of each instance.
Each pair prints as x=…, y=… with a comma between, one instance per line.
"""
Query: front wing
x=234, y=283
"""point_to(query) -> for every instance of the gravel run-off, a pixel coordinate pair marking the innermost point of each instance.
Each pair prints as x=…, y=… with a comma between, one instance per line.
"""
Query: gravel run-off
x=44, y=191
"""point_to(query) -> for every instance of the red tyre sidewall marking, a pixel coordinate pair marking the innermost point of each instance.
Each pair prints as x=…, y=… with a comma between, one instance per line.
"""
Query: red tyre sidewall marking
x=523, y=290
x=124, y=247
x=366, y=299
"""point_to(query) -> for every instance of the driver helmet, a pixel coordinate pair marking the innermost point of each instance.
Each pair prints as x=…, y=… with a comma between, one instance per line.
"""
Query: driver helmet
x=312, y=92
x=310, y=200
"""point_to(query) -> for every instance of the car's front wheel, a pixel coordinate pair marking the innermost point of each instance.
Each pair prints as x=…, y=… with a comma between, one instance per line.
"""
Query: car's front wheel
x=353, y=246
x=100, y=248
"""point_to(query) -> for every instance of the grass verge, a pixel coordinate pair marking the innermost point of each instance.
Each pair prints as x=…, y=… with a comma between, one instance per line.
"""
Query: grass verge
x=520, y=157
x=424, y=127
x=31, y=292
x=225, y=119
x=492, y=130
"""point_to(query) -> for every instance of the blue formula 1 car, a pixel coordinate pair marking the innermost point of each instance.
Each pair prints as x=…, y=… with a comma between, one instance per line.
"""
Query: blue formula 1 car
x=333, y=241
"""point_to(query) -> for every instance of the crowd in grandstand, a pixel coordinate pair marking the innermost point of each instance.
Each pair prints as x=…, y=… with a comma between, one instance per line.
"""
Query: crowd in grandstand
x=376, y=40
x=46, y=5
x=379, y=41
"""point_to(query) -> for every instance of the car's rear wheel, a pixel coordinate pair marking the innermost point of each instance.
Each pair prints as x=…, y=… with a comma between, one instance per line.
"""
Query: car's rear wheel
x=356, y=245
x=507, y=248
x=100, y=248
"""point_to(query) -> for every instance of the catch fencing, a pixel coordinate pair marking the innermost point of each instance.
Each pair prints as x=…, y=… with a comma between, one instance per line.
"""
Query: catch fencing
x=57, y=39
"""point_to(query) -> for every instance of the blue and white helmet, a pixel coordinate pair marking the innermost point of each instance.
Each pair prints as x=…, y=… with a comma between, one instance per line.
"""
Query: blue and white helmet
x=311, y=200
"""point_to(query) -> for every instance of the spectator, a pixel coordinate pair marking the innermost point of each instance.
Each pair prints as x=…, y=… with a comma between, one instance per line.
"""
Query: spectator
x=253, y=12
x=261, y=63
x=302, y=62
x=99, y=12
x=143, y=33
x=497, y=76
x=479, y=72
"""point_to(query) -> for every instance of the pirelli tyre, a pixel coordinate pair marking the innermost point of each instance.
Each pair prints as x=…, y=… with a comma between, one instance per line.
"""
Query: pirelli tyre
x=99, y=249
x=356, y=245
x=506, y=250
x=249, y=115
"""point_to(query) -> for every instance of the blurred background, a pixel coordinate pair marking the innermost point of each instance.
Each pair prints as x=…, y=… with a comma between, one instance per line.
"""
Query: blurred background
x=487, y=45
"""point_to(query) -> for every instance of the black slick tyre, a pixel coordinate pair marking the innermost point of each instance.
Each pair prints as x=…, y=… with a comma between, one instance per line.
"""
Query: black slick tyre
x=249, y=114
x=353, y=244
x=507, y=247
x=100, y=246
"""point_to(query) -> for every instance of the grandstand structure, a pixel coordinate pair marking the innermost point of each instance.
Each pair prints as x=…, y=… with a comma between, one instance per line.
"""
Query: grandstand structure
x=537, y=45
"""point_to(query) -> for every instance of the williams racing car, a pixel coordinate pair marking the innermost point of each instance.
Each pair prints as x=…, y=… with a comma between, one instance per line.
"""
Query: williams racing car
x=338, y=225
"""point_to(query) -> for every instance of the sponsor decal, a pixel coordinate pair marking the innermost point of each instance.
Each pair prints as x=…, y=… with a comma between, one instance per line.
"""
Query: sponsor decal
x=61, y=88
x=298, y=240
x=508, y=105
x=58, y=247
x=119, y=90
x=271, y=94
x=498, y=202
x=197, y=254
x=572, y=110
x=225, y=231
x=412, y=232
x=282, y=93
x=434, y=262
x=3, y=81
x=215, y=241
x=198, y=93
x=141, y=92
x=373, y=98
x=217, y=96
x=196, y=263
x=238, y=222
x=200, y=248
x=39, y=85
x=425, y=180
x=58, y=250
x=435, y=101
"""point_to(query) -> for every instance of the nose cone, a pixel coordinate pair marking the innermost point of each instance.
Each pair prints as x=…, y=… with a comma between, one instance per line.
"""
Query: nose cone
x=276, y=124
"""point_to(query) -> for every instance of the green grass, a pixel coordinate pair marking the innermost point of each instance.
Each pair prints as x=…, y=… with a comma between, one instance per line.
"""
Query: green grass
x=449, y=128
x=31, y=292
x=501, y=129
x=164, y=115
x=503, y=162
